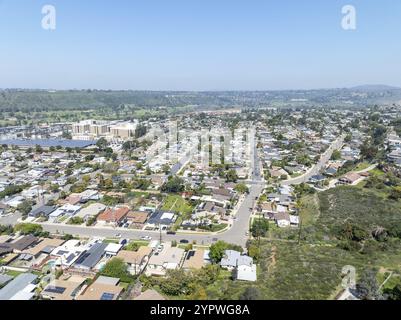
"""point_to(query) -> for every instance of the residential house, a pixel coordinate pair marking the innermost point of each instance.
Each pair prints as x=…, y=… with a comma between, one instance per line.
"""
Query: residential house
x=21, y=287
x=136, y=260
x=318, y=178
x=43, y=246
x=112, y=249
x=14, y=202
x=395, y=157
x=194, y=259
x=3, y=209
x=104, y=288
x=137, y=219
x=165, y=259
x=246, y=272
x=282, y=219
x=349, y=178
x=150, y=294
x=23, y=243
x=161, y=219
x=67, y=253
x=242, y=265
x=67, y=209
x=113, y=215
x=43, y=211
x=232, y=259
x=89, y=195
x=90, y=258
x=60, y=289
x=91, y=211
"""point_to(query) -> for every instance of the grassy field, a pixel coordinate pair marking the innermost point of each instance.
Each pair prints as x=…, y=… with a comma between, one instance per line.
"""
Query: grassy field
x=312, y=269
x=177, y=204
x=362, y=166
x=366, y=207
x=309, y=212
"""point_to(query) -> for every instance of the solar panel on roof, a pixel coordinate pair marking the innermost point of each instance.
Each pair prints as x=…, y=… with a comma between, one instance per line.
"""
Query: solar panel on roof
x=59, y=290
x=49, y=142
x=82, y=258
x=107, y=296
x=70, y=257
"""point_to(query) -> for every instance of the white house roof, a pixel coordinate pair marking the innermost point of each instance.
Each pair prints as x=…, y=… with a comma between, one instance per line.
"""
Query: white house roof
x=246, y=273
x=294, y=219
x=167, y=215
x=113, y=248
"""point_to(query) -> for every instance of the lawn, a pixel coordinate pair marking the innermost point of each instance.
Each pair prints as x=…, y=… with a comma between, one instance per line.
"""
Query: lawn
x=13, y=273
x=141, y=242
x=111, y=241
x=176, y=203
x=362, y=166
x=377, y=172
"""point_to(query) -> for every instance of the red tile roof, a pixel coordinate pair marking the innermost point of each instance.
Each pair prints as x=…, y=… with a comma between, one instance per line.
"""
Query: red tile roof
x=113, y=215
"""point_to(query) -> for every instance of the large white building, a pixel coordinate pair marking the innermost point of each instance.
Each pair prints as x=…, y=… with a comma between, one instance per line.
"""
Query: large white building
x=94, y=129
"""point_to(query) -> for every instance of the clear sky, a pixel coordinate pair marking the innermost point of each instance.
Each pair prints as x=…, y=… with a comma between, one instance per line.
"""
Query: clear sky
x=199, y=44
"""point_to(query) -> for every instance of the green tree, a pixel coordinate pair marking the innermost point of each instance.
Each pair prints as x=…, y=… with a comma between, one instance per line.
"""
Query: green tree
x=250, y=293
x=174, y=185
x=231, y=176
x=217, y=250
x=166, y=168
x=336, y=155
x=367, y=287
x=38, y=149
x=259, y=227
x=102, y=144
x=254, y=251
x=117, y=268
x=8, y=229
x=132, y=246
x=76, y=221
x=25, y=207
x=176, y=283
x=395, y=193
x=241, y=188
x=393, y=293
x=91, y=221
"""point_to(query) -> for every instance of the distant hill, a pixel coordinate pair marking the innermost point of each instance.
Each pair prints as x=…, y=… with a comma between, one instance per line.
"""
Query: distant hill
x=19, y=100
x=374, y=87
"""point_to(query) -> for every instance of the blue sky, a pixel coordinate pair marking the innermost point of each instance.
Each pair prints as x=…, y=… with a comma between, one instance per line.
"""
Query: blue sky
x=199, y=44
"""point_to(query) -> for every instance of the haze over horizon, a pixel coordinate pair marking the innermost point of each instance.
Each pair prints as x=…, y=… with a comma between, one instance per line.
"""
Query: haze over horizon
x=357, y=87
x=207, y=46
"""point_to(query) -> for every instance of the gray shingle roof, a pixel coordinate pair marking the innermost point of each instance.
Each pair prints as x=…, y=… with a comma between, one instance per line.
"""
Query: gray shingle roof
x=91, y=257
x=24, y=242
x=16, y=285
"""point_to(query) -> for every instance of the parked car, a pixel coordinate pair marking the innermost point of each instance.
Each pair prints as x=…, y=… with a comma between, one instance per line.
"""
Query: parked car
x=184, y=241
